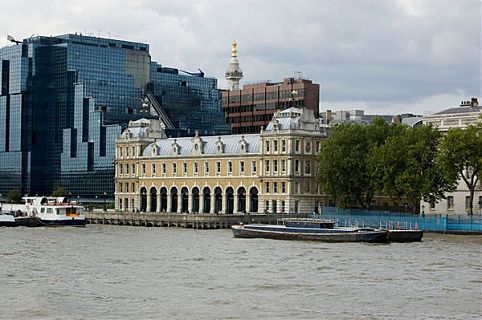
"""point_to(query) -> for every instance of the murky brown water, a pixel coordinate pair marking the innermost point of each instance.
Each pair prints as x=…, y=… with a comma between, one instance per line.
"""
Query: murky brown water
x=112, y=272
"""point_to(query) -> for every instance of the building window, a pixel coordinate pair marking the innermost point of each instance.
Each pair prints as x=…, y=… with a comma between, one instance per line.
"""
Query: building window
x=174, y=168
x=450, y=202
x=308, y=167
x=121, y=169
x=133, y=170
x=283, y=166
x=297, y=187
x=283, y=205
x=241, y=167
x=184, y=168
x=253, y=167
x=218, y=167
x=467, y=202
x=297, y=205
x=307, y=187
x=275, y=146
x=266, y=166
x=127, y=168
x=266, y=143
x=275, y=166
x=153, y=173
x=275, y=187
x=283, y=187
x=283, y=145
x=230, y=167
x=308, y=147
x=163, y=168
x=206, y=168
x=143, y=169
x=195, y=168
x=297, y=166
x=133, y=187
x=121, y=152
x=266, y=187
x=266, y=206
x=127, y=187
x=480, y=202
x=318, y=145
x=297, y=146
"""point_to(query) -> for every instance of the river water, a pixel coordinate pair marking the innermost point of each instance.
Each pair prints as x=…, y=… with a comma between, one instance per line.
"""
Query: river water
x=114, y=272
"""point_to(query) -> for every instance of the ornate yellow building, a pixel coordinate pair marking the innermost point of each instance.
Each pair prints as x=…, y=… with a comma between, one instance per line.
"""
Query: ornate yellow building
x=274, y=171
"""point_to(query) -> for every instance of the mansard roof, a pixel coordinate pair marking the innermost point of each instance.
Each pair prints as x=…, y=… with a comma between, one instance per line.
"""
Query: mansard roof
x=231, y=144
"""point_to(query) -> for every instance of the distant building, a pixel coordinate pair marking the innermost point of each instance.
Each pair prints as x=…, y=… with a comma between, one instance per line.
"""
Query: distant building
x=251, y=108
x=469, y=112
x=351, y=116
x=64, y=100
x=272, y=171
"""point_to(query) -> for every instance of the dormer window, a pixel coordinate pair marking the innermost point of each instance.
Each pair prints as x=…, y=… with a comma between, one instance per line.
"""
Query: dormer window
x=219, y=146
x=197, y=147
x=154, y=150
x=175, y=148
x=243, y=145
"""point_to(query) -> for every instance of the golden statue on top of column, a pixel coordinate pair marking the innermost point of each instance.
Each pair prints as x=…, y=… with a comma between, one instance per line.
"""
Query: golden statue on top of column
x=234, y=49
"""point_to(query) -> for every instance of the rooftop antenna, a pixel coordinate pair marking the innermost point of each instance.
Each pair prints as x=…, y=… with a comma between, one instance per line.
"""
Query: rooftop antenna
x=12, y=39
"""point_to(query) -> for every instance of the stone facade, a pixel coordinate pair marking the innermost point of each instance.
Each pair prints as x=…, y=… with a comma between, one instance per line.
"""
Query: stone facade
x=273, y=171
x=456, y=202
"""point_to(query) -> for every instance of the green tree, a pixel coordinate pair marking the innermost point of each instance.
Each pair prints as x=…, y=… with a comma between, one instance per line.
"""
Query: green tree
x=410, y=167
x=14, y=196
x=349, y=168
x=460, y=157
x=59, y=192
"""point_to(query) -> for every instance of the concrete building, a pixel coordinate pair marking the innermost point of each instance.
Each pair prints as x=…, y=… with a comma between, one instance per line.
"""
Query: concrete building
x=469, y=112
x=252, y=107
x=272, y=171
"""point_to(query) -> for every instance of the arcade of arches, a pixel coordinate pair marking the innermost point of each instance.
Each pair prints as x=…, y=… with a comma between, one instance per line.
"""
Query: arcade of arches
x=197, y=199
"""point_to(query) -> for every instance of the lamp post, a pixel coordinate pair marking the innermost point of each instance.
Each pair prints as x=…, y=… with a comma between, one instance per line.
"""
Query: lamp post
x=105, y=198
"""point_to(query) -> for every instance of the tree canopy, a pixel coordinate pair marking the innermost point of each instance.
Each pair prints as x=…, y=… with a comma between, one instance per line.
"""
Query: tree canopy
x=14, y=196
x=59, y=192
x=460, y=157
x=357, y=162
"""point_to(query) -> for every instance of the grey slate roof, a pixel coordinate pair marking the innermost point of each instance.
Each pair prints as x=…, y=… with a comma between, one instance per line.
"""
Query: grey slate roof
x=231, y=145
x=461, y=110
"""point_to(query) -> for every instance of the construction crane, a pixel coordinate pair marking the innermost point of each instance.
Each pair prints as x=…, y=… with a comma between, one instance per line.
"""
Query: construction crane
x=12, y=39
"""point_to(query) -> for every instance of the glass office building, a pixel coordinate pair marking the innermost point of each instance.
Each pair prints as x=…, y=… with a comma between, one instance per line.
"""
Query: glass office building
x=64, y=100
x=190, y=100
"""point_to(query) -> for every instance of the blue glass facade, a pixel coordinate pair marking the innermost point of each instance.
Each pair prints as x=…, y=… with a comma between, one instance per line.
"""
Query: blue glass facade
x=191, y=101
x=64, y=100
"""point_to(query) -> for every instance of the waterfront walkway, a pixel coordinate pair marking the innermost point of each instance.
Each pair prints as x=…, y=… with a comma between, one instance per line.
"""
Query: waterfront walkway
x=195, y=221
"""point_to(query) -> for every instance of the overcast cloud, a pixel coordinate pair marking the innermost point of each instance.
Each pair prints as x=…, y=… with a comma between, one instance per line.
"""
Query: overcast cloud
x=384, y=56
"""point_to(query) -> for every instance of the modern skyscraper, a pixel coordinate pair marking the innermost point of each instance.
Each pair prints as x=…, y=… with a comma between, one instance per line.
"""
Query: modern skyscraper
x=64, y=100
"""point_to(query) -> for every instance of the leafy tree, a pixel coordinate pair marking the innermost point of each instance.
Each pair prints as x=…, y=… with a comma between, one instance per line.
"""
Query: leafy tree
x=349, y=168
x=14, y=196
x=410, y=167
x=460, y=156
x=59, y=192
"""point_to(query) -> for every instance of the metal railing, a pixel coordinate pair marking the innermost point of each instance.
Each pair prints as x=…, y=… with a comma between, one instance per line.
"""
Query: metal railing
x=399, y=220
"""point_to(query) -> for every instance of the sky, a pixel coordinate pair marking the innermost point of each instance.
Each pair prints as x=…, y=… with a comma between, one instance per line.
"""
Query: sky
x=382, y=56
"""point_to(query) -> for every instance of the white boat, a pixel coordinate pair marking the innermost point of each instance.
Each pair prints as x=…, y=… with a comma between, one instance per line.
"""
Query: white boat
x=7, y=220
x=51, y=211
